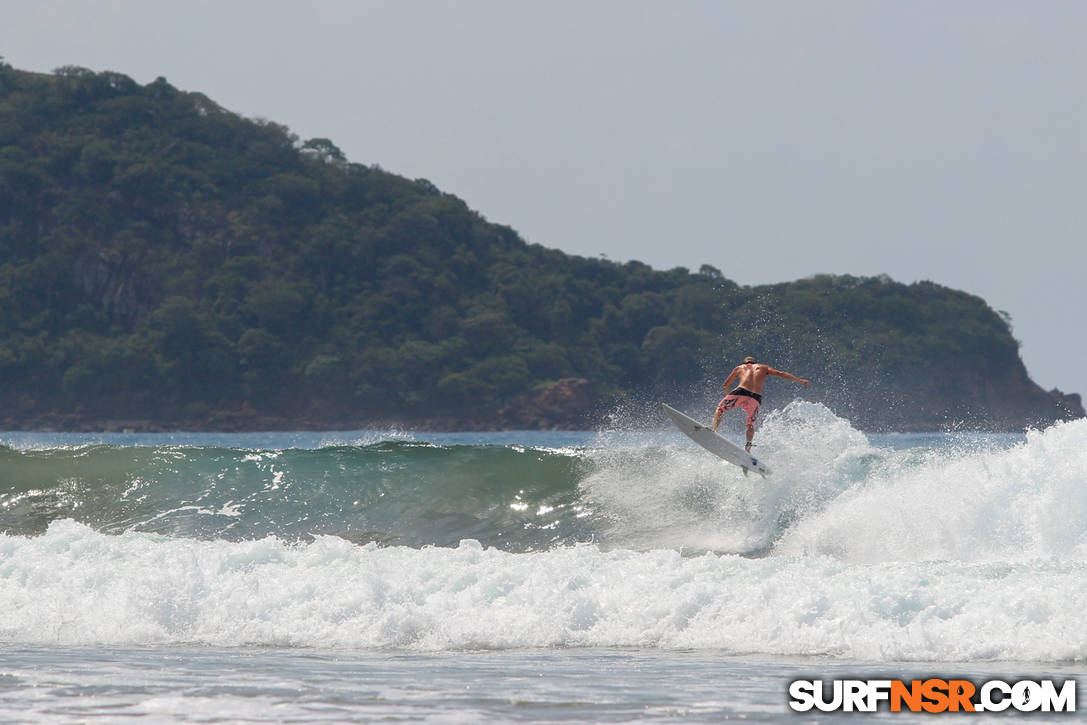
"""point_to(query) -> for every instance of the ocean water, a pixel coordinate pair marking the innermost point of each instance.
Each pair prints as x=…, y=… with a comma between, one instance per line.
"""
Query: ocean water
x=607, y=576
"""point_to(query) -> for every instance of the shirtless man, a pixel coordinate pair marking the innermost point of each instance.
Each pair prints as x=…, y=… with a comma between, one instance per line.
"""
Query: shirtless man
x=750, y=377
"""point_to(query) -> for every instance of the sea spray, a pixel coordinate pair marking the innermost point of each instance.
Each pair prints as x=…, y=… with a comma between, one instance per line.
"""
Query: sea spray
x=679, y=496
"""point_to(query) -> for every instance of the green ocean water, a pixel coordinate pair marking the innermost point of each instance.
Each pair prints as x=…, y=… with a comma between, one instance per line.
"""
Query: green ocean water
x=556, y=576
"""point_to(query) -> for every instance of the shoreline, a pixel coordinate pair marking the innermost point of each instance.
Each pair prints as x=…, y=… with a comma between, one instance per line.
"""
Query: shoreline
x=429, y=425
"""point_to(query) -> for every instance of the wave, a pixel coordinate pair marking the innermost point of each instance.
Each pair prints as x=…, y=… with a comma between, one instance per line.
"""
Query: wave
x=832, y=494
x=76, y=586
x=390, y=492
x=961, y=551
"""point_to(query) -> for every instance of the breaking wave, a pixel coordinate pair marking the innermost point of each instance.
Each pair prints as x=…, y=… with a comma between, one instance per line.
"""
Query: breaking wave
x=953, y=552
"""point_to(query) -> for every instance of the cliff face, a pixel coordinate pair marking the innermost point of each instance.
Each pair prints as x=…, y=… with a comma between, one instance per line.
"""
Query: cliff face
x=1004, y=399
x=165, y=263
x=979, y=394
x=564, y=404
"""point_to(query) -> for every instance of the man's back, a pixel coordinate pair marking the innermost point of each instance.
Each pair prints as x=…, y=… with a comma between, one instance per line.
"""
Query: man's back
x=751, y=376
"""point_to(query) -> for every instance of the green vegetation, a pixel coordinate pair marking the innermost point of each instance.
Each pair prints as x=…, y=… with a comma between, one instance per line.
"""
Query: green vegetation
x=162, y=258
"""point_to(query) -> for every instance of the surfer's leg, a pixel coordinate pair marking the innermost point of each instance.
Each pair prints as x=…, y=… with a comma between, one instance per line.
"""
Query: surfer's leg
x=721, y=408
x=751, y=407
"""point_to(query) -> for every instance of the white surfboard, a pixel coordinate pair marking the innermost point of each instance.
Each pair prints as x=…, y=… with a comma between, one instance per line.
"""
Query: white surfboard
x=715, y=444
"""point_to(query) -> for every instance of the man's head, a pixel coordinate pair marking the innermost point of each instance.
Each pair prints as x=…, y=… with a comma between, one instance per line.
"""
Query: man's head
x=748, y=359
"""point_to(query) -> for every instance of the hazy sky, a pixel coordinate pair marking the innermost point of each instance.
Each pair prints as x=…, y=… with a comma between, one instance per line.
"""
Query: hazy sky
x=774, y=140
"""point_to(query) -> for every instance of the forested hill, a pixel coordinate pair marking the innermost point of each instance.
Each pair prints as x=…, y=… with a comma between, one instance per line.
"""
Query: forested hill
x=167, y=263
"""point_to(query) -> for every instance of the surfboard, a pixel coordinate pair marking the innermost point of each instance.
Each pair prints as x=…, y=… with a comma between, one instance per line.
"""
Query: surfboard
x=715, y=444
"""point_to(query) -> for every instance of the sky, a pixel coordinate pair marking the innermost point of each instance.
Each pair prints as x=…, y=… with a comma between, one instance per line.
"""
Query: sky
x=774, y=140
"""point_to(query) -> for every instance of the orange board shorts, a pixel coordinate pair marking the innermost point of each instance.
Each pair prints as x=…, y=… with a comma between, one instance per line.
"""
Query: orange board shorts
x=749, y=404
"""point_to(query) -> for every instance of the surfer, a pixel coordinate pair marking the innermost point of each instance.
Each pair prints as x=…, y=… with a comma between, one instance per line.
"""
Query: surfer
x=750, y=376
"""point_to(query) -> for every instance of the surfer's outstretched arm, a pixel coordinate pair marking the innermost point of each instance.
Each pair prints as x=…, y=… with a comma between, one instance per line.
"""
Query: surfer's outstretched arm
x=788, y=376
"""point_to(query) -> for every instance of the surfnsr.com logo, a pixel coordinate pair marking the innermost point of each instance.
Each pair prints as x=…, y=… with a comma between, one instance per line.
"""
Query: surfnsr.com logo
x=933, y=695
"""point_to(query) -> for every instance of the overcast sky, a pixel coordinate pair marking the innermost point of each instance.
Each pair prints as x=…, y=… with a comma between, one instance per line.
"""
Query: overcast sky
x=774, y=140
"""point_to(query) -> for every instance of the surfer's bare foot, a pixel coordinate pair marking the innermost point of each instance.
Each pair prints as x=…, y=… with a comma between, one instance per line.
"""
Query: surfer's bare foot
x=747, y=446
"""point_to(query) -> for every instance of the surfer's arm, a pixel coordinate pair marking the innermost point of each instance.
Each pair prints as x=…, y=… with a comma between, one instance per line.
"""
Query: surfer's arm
x=728, y=381
x=788, y=376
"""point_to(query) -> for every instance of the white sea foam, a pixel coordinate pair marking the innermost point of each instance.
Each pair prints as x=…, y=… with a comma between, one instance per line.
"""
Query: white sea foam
x=76, y=586
x=1022, y=503
x=364, y=438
